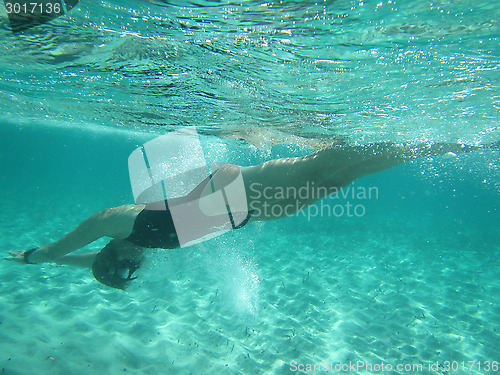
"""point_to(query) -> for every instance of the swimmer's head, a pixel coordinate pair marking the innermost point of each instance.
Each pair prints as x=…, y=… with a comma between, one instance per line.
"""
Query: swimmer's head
x=116, y=263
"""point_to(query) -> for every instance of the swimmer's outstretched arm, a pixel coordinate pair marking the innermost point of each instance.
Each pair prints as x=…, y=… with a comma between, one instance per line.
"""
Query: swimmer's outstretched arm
x=79, y=260
x=84, y=260
x=115, y=223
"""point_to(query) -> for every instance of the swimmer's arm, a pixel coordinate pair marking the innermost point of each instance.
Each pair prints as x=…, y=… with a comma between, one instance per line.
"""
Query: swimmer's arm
x=79, y=260
x=114, y=222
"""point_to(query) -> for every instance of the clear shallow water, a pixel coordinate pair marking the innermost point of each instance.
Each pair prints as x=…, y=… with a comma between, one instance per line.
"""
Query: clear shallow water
x=415, y=280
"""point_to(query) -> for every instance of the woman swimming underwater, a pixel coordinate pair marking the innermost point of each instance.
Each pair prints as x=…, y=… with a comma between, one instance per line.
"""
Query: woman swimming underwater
x=135, y=227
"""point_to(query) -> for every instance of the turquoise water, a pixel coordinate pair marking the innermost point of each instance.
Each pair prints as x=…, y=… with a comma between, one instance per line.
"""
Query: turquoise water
x=413, y=281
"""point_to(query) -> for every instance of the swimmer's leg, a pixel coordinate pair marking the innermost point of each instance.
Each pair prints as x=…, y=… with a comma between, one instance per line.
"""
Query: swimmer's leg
x=379, y=157
x=279, y=182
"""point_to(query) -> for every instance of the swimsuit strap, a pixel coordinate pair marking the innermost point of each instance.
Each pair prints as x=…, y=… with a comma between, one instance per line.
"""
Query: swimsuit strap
x=243, y=223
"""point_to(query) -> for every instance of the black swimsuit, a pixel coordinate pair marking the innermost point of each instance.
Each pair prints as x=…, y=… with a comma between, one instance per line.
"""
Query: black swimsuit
x=154, y=227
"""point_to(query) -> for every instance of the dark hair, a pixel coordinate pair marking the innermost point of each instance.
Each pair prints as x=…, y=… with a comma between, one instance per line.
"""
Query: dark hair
x=111, y=267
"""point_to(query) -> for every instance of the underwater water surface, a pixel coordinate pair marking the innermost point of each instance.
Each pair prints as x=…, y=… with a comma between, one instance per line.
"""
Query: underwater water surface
x=414, y=281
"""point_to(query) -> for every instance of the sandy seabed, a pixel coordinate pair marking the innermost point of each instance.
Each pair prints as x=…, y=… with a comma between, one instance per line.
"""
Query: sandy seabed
x=270, y=298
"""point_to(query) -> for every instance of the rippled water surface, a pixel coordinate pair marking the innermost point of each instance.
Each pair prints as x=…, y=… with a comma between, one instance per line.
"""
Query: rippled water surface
x=362, y=70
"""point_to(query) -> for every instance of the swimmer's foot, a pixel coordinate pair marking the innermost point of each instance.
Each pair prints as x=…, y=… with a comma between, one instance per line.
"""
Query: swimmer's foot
x=484, y=146
x=494, y=145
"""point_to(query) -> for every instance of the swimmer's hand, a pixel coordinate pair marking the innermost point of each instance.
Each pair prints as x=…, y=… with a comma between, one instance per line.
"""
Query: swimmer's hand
x=16, y=256
x=20, y=256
